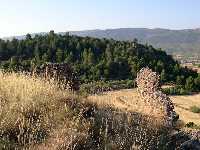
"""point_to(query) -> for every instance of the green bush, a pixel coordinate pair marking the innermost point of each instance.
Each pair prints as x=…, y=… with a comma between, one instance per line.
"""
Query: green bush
x=177, y=90
x=103, y=86
x=195, y=109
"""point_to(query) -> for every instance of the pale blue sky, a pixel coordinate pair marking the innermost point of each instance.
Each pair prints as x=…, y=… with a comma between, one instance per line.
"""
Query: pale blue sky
x=19, y=17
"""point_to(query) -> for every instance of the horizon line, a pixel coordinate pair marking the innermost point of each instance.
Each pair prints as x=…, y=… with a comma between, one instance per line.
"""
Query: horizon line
x=100, y=29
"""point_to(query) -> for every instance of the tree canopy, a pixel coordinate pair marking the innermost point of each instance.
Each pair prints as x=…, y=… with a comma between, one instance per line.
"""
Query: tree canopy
x=93, y=59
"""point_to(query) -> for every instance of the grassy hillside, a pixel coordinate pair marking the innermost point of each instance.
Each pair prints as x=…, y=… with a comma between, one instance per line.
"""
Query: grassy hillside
x=36, y=114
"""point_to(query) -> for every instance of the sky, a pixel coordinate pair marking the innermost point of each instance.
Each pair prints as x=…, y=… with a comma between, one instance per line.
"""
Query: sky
x=19, y=17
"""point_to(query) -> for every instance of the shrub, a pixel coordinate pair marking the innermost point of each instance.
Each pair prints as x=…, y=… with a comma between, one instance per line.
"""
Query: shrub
x=182, y=91
x=177, y=90
x=195, y=109
x=103, y=86
x=189, y=124
x=192, y=125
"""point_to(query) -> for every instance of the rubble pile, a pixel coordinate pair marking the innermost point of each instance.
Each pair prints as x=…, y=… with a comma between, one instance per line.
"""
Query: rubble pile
x=60, y=72
x=151, y=95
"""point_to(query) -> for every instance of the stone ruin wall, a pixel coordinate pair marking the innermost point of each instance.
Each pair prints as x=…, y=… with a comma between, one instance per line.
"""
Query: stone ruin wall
x=60, y=72
x=155, y=102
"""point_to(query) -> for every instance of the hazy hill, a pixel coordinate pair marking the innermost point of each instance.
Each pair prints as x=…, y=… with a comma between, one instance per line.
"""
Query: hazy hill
x=180, y=41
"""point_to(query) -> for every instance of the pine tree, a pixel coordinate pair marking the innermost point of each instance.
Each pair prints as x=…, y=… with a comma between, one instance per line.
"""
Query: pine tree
x=59, y=55
x=45, y=58
x=108, y=54
x=37, y=53
x=85, y=56
x=163, y=76
x=179, y=80
x=189, y=85
x=91, y=58
x=69, y=58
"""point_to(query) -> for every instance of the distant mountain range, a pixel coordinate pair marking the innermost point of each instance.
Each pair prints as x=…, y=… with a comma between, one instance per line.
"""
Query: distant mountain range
x=185, y=41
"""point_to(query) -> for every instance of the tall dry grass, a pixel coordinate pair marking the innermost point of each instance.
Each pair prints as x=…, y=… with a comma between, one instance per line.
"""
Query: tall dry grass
x=39, y=114
x=32, y=108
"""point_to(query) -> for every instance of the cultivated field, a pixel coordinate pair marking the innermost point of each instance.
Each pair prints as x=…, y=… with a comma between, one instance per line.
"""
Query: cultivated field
x=128, y=100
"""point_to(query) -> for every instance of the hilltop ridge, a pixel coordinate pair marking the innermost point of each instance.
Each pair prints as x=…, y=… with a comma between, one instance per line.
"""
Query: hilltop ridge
x=183, y=41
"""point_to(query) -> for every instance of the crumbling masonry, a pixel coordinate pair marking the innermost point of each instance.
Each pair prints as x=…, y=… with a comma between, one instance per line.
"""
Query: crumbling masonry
x=151, y=95
x=60, y=72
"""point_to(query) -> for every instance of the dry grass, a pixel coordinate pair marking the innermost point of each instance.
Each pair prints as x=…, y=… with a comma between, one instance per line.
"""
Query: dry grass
x=128, y=100
x=182, y=107
x=123, y=99
x=32, y=108
x=36, y=114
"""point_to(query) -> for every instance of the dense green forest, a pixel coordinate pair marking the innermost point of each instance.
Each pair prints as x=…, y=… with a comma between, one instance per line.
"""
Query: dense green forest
x=95, y=59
